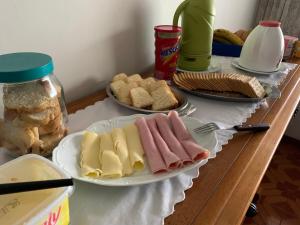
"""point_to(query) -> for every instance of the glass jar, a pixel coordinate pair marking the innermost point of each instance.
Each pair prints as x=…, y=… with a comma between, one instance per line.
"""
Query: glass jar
x=33, y=115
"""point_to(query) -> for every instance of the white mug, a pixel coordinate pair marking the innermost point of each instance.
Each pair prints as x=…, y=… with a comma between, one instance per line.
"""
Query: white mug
x=264, y=47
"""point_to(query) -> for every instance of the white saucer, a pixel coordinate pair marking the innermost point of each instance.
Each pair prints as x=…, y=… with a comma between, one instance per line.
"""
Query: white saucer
x=235, y=63
x=211, y=69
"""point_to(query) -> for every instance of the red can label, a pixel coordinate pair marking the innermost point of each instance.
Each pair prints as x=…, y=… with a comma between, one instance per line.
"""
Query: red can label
x=166, y=53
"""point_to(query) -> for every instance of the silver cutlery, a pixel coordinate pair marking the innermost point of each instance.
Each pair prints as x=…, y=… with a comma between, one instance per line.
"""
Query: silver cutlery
x=209, y=127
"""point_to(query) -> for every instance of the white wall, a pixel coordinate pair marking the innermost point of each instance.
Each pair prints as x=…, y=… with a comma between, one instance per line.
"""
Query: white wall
x=91, y=40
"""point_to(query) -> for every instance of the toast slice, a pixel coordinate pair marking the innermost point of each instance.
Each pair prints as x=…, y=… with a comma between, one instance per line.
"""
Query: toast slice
x=41, y=118
x=140, y=97
x=116, y=85
x=157, y=84
x=120, y=76
x=34, y=119
x=163, y=99
x=49, y=141
x=28, y=97
x=18, y=139
x=146, y=83
x=123, y=95
x=52, y=127
x=134, y=78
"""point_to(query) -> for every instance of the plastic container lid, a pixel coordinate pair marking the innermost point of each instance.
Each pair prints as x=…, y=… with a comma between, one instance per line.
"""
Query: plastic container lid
x=30, y=167
x=270, y=23
x=24, y=66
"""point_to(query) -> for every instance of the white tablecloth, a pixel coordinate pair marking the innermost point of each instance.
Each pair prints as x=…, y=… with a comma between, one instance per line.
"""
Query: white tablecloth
x=150, y=204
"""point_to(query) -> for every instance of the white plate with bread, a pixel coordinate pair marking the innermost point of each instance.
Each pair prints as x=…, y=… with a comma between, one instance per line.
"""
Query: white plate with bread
x=147, y=95
x=67, y=154
x=225, y=87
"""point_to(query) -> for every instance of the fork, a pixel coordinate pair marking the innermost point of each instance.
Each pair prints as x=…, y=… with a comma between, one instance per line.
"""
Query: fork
x=209, y=127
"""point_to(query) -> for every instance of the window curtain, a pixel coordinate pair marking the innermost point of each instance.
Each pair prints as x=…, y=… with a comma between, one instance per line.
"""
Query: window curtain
x=286, y=11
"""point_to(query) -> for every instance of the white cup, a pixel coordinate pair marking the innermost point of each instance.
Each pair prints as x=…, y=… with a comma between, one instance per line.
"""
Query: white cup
x=264, y=47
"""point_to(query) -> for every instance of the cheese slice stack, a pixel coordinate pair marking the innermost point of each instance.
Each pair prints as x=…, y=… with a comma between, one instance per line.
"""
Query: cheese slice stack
x=135, y=148
x=89, y=163
x=112, y=154
x=110, y=163
x=120, y=146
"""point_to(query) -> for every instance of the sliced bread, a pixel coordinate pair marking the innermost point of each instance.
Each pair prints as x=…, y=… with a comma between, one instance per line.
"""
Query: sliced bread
x=146, y=83
x=120, y=76
x=140, y=97
x=134, y=78
x=49, y=141
x=17, y=138
x=123, y=95
x=157, y=84
x=116, y=85
x=28, y=97
x=52, y=127
x=163, y=99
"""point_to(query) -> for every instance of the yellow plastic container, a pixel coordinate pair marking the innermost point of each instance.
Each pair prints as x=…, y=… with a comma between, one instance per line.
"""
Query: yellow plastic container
x=43, y=207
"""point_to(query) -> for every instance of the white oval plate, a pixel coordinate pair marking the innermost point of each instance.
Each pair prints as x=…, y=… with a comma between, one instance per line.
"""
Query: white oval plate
x=236, y=64
x=67, y=153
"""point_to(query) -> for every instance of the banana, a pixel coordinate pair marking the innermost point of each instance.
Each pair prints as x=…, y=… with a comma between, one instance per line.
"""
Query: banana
x=243, y=34
x=229, y=36
x=221, y=40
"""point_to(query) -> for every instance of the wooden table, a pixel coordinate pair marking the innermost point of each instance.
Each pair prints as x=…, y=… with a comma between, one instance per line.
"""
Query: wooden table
x=227, y=184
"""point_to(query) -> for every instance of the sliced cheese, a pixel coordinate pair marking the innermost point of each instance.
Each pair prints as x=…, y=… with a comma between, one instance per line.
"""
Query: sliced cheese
x=89, y=163
x=135, y=148
x=111, y=165
x=120, y=146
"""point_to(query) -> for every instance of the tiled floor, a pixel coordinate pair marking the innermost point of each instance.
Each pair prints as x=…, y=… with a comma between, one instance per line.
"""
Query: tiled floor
x=279, y=202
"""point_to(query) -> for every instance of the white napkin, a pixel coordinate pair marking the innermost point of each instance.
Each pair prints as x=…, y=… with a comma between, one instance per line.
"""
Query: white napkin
x=151, y=203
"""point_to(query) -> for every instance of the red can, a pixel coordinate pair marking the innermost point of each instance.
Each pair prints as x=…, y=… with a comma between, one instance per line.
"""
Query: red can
x=167, y=38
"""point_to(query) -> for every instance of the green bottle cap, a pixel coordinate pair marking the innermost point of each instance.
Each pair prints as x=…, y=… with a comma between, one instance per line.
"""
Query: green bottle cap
x=24, y=66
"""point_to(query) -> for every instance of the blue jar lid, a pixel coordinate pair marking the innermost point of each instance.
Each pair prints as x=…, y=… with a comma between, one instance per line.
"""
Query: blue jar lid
x=24, y=66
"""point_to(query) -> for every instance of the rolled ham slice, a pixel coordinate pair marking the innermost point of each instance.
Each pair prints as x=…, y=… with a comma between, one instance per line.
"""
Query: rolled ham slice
x=178, y=126
x=186, y=139
x=172, y=161
x=156, y=163
x=169, y=137
x=194, y=150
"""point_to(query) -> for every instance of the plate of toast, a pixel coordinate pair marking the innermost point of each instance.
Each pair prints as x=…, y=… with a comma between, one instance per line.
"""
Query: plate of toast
x=147, y=95
x=225, y=86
